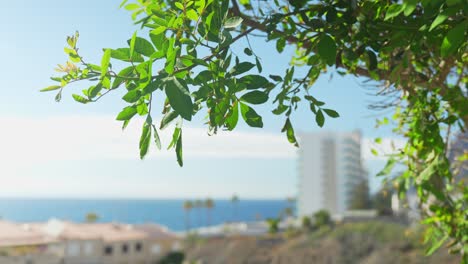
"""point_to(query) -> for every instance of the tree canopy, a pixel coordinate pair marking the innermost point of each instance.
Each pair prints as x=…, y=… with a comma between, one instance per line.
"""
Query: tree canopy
x=414, y=51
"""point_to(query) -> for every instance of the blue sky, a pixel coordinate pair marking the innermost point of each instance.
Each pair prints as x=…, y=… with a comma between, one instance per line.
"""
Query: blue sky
x=67, y=149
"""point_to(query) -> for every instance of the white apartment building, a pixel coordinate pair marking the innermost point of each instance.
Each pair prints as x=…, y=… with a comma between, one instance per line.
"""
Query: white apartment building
x=329, y=167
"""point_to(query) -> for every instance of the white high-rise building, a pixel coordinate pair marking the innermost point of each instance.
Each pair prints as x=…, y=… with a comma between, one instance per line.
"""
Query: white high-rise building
x=329, y=168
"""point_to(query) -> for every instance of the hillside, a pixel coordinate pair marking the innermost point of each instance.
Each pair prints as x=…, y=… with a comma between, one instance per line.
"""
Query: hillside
x=369, y=243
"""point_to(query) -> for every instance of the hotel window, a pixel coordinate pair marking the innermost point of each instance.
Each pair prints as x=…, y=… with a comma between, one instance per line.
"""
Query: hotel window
x=124, y=248
x=138, y=247
x=108, y=250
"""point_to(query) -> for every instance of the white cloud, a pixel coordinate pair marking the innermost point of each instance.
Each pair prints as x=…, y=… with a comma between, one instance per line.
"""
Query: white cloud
x=101, y=137
x=30, y=140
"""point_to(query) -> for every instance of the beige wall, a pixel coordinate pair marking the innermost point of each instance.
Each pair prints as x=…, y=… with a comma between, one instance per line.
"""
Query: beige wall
x=82, y=251
x=31, y=259
x=165, y=247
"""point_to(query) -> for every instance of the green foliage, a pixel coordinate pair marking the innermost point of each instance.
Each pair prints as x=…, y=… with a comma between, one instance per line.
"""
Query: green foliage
x=416, y=50
x=172, y=258
x=273, y=225
x=322, y=218
x=306, y=223
x=382, y=201
x=360, y=196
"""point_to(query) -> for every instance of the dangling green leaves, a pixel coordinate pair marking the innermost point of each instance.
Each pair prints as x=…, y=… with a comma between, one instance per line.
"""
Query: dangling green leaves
x=179, y=97
x=51, y=88
x=105, y=62
x=145, y=138
x=127, y=113
x=178, y=150
x=255, y=97
x=250, y=116
x=288, y=128
x=319, y=118
x=233, y=117
x=331, y=113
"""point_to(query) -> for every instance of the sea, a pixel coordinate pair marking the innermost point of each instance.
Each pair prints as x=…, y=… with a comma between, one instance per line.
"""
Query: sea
x=169, y=213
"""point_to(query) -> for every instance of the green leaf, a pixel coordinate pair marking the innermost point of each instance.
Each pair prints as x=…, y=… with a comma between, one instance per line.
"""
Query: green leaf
x=80, y=99
x=51, y=88
x=179, y=97
x=259, y=65
x=157, y=31
x=454, y=39
x=393, y=11
x=123, y=54
x=372, y=63
x=250, y=116
x=167, y=119
x=131, y=7
x=94, y=90
x=123, y=3
x=248, y=52
x=123, y=73
x=442, y=17
x=127, y=113
x=319, y=118
x=388, y=167
x=175, y=137
x=436, y=244
x=178, y=150
x=326, y=48
x=253, y=81
x=280, y=109
x=233, y=117
x=233, y=22
x=145, y=139
x=132, y=44
x=276, y=78
x=255, y=97
x=142, y=109
x=142, y=46
x=192, y=15
x=132, y=96
x=105, y=62
x=331, y=113
x=241, y=68
x=288, y=128
x=157, y=140
x=410, y=6
x=280, y=44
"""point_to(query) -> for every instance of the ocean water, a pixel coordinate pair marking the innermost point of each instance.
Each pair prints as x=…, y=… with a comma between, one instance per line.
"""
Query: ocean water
x=166, y=212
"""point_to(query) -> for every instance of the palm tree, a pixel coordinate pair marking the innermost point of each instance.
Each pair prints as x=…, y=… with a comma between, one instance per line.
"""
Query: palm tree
x=234, y=201
x=209, y=204
x=199, y=205
x=188, y=206
x=91, y=217
x=289, y=211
